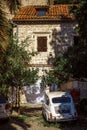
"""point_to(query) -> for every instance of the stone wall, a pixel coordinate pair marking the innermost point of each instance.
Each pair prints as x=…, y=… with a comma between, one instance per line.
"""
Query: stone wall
x=59, y=37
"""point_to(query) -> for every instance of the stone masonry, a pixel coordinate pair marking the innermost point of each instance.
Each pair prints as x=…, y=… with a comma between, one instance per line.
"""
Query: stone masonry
x=59, y=37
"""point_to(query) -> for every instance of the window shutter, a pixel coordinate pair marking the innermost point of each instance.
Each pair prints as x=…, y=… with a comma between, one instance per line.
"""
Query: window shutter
x=42, y=44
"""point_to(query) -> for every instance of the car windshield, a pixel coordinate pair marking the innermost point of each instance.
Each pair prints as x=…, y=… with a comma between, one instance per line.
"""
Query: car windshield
x=61, y=100
x=2, y=99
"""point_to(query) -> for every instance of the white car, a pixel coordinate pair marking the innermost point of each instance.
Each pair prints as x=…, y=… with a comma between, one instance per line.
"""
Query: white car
x=58, y=106
x=5, y=108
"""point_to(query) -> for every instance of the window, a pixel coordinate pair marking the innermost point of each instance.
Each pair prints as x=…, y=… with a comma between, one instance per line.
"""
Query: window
x=41, y=12
x=61, y=100
x=42, y=44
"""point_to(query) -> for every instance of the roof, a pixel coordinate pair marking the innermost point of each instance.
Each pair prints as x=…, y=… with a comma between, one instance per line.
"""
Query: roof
x=52, y=12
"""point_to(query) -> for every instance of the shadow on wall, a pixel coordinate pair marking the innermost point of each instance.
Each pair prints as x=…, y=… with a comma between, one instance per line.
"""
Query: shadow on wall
x=61, y=40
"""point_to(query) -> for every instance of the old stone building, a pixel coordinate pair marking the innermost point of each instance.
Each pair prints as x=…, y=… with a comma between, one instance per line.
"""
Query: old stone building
x=50, y=29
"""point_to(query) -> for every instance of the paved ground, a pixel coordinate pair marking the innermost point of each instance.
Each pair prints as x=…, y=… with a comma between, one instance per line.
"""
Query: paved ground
x=31, y=119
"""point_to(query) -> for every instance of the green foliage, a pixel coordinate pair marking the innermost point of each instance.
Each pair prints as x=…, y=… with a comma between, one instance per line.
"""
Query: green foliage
x=23, y=118
x=77, y=61
x=60, y=68
x=77, y=54
x=4, y=31
x=13, y=5
x=59, y=72
x=14, y=66
x=4, y=90
x=50, y=78
x=80, y=15
x=48, y=124
x=30, y=76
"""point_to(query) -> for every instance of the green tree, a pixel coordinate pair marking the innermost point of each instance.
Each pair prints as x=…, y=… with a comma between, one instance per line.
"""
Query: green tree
x=58, y=74
x=80, y=13
x=50, y=78
x=3, y=28
x=77, y=54
x=14, y=68
x=13, y=5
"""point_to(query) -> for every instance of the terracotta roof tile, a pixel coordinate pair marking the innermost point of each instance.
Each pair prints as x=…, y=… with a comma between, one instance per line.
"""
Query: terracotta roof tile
x=52, y=12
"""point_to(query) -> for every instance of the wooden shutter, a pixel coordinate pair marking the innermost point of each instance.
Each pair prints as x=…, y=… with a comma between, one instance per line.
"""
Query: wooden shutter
x=42, y=44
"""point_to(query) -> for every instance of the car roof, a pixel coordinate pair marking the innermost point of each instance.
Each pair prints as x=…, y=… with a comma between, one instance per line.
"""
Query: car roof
x=56, y=94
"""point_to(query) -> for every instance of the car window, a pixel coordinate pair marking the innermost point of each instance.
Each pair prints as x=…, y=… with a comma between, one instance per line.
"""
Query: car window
x=2, y=99
x=61, y=100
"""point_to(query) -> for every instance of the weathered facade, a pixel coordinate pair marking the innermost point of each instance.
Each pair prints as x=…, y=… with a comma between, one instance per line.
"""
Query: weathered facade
x=50, y=29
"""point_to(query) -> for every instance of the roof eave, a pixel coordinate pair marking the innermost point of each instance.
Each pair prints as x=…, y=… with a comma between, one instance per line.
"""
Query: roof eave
x=44, y=20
